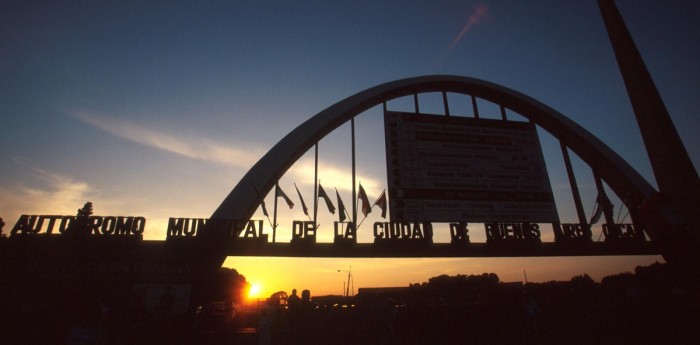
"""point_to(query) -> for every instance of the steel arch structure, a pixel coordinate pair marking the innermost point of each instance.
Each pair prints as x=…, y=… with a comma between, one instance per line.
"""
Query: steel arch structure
x=245, y=197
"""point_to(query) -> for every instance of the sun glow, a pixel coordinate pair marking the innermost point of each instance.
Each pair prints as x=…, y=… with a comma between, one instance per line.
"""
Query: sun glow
x=254, y=290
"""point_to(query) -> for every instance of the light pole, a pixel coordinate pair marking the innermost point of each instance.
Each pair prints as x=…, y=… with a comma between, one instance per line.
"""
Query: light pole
x=347, y=289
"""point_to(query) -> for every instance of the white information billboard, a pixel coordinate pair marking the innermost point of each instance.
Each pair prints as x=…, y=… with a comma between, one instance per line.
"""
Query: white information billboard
x=451, y=169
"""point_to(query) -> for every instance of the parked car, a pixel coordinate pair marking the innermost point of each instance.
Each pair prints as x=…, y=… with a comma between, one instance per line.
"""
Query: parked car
x=217, y=316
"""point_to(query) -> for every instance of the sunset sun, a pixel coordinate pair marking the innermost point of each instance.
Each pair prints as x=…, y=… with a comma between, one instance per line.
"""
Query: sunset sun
x=254, y=290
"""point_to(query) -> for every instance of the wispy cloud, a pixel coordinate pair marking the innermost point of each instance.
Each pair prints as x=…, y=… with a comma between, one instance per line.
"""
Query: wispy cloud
x=55, y=194
x=332, y=176
x=63, y=192
x=480, y=12
x=195, y=148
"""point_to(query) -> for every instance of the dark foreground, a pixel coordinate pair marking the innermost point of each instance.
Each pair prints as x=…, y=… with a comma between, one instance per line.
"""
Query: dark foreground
x=655, y=305
x=672, y=325
x=504, y=317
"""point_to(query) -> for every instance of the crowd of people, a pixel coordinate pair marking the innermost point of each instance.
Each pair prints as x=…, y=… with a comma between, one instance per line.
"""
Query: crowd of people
x=297, y=314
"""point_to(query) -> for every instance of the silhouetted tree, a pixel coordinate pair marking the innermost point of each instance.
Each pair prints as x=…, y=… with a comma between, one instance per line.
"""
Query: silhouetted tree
x=583, y=281
x=656, y=276
x=225, y=284
x=81, y=225
x=460, y=288
x=615, y=286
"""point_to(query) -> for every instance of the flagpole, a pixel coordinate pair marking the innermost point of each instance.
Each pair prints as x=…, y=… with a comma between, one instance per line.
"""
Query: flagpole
x=362, y=221
x=354, y=205
x=263, y=203
x=269, y=221
x=354, y=193
x=607, y=212
x=315, y=185
x=274, y=215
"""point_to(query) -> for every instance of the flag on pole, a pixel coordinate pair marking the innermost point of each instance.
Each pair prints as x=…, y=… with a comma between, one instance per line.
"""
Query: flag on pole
x=264, y=209
x=279, y=192
x=303, y=204
x=381, y=202
x=602, y=203
x=366, y=208
x=341, y=208
x=322, y=194
x=262, y=203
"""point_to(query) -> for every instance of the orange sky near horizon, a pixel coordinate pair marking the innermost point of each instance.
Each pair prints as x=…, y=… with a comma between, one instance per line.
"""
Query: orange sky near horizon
x=321, y=276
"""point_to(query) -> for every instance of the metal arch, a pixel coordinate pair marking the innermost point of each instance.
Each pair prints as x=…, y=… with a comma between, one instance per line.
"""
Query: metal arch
x=245, y=197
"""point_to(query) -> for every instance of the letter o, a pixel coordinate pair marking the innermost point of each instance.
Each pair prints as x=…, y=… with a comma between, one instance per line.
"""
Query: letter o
x=138, y=225
x=108, y=225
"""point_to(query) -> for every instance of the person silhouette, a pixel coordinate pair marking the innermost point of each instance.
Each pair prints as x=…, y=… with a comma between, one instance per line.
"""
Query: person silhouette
x=293, y=302
x=306, y=321
x=295, y=322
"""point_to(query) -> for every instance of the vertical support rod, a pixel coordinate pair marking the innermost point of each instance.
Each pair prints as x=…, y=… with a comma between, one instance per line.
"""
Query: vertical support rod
x=315, y=185
x=444, y=101
x=574, y=186
x=354, y=186
x=475, y=108
x=415, y=103
x=274, y=216
x=503, y=113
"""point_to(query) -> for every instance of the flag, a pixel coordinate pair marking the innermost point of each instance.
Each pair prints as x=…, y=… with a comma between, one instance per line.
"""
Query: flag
x=280, y=192
x=341, y=208
x=602, y=203
x=366, y=208
x=322, y=194
x=303, y=204
x=262, y=203
x=381, y=202
x=264, y=208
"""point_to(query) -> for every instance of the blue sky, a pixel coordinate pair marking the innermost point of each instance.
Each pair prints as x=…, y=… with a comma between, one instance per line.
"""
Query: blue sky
x=157, y=109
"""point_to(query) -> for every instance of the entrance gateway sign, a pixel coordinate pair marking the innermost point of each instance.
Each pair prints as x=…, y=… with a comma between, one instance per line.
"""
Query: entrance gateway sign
x=441, y=169
x=447, y=169
x=467, y=173
x=448, y=177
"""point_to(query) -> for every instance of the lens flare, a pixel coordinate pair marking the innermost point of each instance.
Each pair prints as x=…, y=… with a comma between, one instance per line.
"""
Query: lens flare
x=254, y=290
